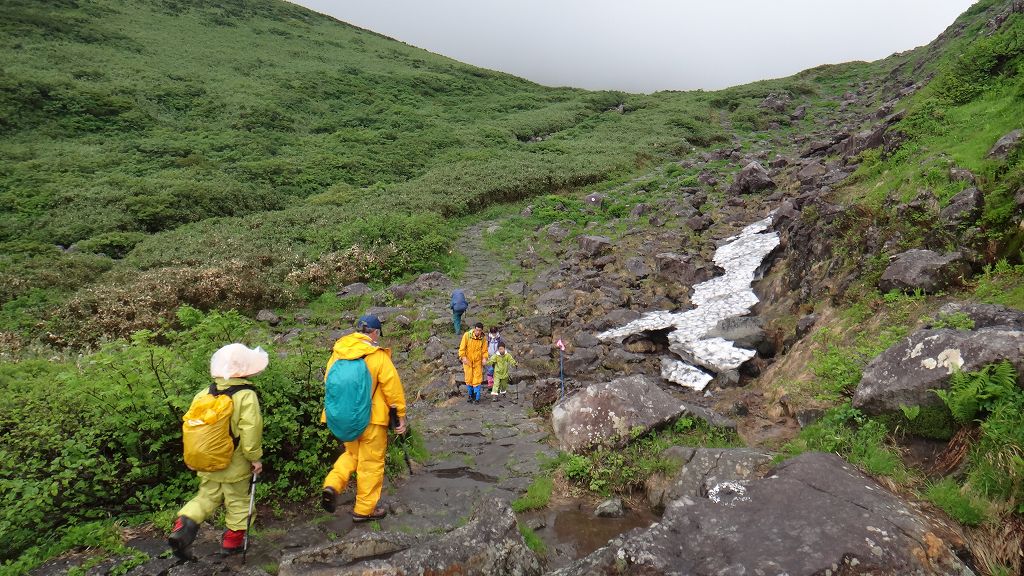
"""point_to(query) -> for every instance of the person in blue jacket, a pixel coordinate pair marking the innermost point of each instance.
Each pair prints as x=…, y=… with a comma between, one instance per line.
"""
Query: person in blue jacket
x=459, y=306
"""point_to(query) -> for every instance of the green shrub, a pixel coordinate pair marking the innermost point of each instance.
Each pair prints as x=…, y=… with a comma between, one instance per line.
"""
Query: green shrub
x=100, y=436
x=846, y=431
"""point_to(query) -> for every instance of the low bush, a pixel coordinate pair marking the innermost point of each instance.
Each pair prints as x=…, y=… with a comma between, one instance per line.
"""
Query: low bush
x=622, y=470
x=100, y=436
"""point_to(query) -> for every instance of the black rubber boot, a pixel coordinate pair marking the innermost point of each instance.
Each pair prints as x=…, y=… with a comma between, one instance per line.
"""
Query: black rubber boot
x=180, y=540
x=328, y=499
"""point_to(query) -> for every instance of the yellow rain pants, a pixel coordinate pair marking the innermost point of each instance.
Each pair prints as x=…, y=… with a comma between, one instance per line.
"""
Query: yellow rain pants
x=234, y=496
x=365, y=457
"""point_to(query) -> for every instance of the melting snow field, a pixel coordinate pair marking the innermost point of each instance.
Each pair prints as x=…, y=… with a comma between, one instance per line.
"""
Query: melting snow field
x=722, y=297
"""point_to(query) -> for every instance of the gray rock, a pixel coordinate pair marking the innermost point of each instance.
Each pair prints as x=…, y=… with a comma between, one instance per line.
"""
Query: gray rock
x=612, y=413
x=593, y=246
x=386, y=313
x=596, y=200
x=804, y=325
x=490, y=543
x=745, y=331
x=618, y=317
x=799, y=113
x=579, y=360
x=639, y=210
x=557, y=232
x=753, y=178
x=961, y=175
x=611, y=508
x=985, y=315
x=840, y=520
x=516, y=289
x=539, y=325
x=356, y=289
x=1005, y=145
x=638, y=267
x=810, y=173
x=963, y=208
x=686, y=270
x=701, y=469
x=268, y=316
x=585, y=340
x=923, y=269
x=555, y=301
x=434, y=349
x=906, y=373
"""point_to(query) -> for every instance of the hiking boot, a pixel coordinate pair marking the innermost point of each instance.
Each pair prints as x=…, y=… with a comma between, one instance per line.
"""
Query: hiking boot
x=232, y=542
x=182, y=536
x=378, y=513
x=329, y=499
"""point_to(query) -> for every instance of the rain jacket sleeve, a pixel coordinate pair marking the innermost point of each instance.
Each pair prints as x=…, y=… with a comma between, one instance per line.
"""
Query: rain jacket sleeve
x=464, y=345
x=249, y=427
x=389, y=392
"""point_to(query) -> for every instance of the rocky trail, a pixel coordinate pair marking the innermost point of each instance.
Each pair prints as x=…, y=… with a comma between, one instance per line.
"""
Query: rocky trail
x=628, y=308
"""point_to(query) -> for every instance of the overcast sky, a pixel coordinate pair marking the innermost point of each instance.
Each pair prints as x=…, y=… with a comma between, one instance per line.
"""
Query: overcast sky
x=649, y=45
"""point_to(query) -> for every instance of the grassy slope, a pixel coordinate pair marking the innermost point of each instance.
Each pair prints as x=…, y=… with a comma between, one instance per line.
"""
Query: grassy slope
x=264, y=136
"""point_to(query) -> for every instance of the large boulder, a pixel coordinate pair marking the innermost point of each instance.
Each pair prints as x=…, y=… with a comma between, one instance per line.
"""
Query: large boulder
x=923, y=270
x=814, y=514
x=963, y=208
x=555, y=302
x=753, y=178
x=701, y=469
x=593, y=246
x=1005, y=145
x=490, y=543
x=906, y=373
x=611, y=413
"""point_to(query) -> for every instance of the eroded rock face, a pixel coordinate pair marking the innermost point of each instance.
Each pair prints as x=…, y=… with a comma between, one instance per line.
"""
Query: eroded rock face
x=905, y=374
x=608, y=414
x=814, y=514
x=489, y=544
x=923, y=270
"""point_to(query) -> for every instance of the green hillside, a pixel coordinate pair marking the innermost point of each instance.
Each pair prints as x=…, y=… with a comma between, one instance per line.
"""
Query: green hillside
x=132, y=129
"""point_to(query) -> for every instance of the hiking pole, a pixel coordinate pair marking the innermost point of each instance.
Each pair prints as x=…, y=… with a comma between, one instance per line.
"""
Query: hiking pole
x=248, y=521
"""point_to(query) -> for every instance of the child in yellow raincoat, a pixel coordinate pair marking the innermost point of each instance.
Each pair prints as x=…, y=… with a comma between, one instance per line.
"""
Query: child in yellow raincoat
x=503, y=363
x=229, y=367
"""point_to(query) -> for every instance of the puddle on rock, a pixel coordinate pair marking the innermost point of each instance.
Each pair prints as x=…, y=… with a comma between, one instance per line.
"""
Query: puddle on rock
x=572, y=531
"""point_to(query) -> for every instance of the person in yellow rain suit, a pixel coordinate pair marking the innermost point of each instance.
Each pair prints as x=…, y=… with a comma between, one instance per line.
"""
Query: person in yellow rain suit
x=365, y=454
x=228, y=367
x=473, y=354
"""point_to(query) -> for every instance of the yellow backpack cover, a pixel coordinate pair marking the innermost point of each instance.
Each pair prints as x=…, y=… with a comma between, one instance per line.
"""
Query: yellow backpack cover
x=206, y=430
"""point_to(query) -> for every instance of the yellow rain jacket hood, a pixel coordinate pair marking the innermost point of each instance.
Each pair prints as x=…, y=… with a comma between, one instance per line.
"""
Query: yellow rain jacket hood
x=387, y=386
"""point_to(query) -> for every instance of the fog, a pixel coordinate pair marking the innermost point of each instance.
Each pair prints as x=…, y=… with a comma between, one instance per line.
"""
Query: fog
x=649, y=45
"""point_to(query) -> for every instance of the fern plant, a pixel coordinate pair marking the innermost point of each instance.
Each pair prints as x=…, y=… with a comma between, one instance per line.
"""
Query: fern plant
x=981, y=391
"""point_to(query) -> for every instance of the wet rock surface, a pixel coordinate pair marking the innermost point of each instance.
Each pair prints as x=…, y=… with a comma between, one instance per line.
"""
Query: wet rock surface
x=905, y=374
x=754, y=527
x=924, y=270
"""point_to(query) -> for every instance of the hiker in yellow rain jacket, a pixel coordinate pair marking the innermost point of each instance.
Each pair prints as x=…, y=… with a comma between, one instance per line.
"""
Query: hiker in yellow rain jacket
x=365, y=455
x=473, y=354
x=230, y=486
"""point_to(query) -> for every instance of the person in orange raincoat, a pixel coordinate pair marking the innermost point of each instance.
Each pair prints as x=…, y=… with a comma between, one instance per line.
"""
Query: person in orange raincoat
x=365, y=455
x=473, y=354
